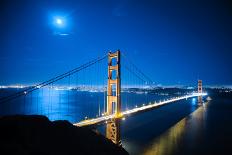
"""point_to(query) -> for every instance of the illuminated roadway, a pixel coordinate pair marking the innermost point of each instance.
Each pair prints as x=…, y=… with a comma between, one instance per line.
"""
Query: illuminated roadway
x=135, y=110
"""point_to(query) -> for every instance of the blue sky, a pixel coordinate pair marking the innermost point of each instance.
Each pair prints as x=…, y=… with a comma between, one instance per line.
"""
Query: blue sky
x=173, y=42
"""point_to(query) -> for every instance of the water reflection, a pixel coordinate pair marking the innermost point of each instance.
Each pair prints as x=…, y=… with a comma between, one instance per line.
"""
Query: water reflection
x=167, y=143
x=174, y=138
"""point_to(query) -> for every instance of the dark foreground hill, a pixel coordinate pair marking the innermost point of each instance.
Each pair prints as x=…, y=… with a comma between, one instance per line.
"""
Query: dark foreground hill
x=38, y=136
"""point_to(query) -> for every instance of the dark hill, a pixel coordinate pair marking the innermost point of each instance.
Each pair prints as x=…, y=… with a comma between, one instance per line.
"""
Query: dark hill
x=38, y=136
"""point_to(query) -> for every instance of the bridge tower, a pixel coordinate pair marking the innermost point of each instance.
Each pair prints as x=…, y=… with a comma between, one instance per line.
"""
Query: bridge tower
x=114, y=97
x=200, y=91
x=114, y=84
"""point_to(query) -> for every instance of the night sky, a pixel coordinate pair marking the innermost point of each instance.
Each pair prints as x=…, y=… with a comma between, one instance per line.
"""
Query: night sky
x=173, y=42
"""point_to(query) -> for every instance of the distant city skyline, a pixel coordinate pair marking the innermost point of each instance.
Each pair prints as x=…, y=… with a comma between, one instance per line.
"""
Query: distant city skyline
x=173, y=42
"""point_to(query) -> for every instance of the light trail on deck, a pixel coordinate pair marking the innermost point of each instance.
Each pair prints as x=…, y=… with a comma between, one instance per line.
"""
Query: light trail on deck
x=135, y=110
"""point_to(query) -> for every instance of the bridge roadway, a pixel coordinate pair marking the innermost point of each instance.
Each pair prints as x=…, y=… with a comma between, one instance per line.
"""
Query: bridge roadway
x=135, y=110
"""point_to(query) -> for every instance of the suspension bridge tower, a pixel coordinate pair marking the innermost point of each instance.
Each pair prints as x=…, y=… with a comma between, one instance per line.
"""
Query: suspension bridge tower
x=114, y=97
x=199, y=91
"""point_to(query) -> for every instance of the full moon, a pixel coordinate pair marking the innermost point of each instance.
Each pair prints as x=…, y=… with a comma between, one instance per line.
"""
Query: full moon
x=59, y=21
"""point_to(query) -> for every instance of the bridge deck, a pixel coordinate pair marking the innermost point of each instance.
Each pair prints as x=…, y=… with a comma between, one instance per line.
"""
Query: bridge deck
x=134, y=110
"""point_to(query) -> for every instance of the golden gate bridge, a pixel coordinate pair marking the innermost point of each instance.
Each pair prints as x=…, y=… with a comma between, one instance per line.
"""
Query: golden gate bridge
x=106, y=94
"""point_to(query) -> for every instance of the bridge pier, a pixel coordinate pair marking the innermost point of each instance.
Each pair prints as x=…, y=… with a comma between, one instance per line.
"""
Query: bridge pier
x=113, y=131
x=114, y=96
